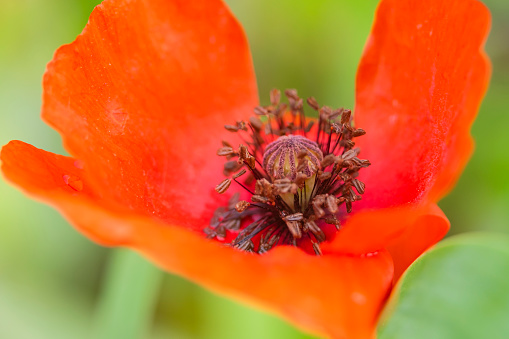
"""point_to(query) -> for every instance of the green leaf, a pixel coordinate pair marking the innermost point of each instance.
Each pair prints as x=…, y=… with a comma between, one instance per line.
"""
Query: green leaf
x=460, y=289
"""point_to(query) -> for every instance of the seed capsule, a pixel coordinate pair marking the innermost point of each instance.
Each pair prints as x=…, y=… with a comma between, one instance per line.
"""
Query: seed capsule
x=281, y=157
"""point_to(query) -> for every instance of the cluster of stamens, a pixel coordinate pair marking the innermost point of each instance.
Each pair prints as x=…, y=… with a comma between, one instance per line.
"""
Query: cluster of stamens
x=297, y=171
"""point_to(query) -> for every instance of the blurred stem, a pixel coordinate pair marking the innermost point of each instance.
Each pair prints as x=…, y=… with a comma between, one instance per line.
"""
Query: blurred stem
x=128, y=297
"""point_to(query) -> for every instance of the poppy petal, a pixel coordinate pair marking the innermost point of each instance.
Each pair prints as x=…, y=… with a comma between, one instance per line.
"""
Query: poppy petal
x=406, y=232
x=420, y=82
x=371, y=231
x=426, y=231
x=142, y=95
x=336, y=295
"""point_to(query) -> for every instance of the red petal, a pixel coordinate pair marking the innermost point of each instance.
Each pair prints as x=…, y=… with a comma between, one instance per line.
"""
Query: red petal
x=142, y=95
x=371, y=231
x=426, y=231
x=419, y=86
x=405, y=231
x=337, y=295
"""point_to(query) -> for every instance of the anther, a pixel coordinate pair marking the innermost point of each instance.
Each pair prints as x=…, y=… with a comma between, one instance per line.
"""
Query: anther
x=275, y=96
x=264, y=188
x=292, y=94
x=301, y=179
x=345, y=117
x=241, y=206
x=313, y=103
x=267, y=243
x=226, y=144
x=241, y=125
x=350, y=154
x=325, y=112
x=245, y=157
x=358, y=132
x=259, y=198
x=231, y=167
x=330, y=204
x=223, y=186
x=317, y=204
x=332, y=220
x=294, y=227
x=259, y=110
x=284, y=186
x=317, y=249
x=294, y=217
x=328, y=160
x=247, y=246
x=225, y=151
x=297, y=105
x=241, y=173
x=324, y=176
x=359, y=185
x=256, y=123
x=231, y=128
x=317, y=231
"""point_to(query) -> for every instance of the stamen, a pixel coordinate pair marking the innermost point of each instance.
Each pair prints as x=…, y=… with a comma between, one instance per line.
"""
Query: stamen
x=223, y=186
x=241, y=206
x=297, y=185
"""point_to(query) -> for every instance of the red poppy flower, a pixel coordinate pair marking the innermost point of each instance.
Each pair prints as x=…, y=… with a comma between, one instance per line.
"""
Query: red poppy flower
x=141, y=97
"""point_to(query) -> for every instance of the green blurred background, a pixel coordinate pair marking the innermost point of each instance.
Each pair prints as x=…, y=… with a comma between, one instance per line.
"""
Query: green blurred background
x=52, y=279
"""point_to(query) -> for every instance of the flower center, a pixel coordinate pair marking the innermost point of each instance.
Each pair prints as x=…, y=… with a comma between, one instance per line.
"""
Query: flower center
x=301, y=171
